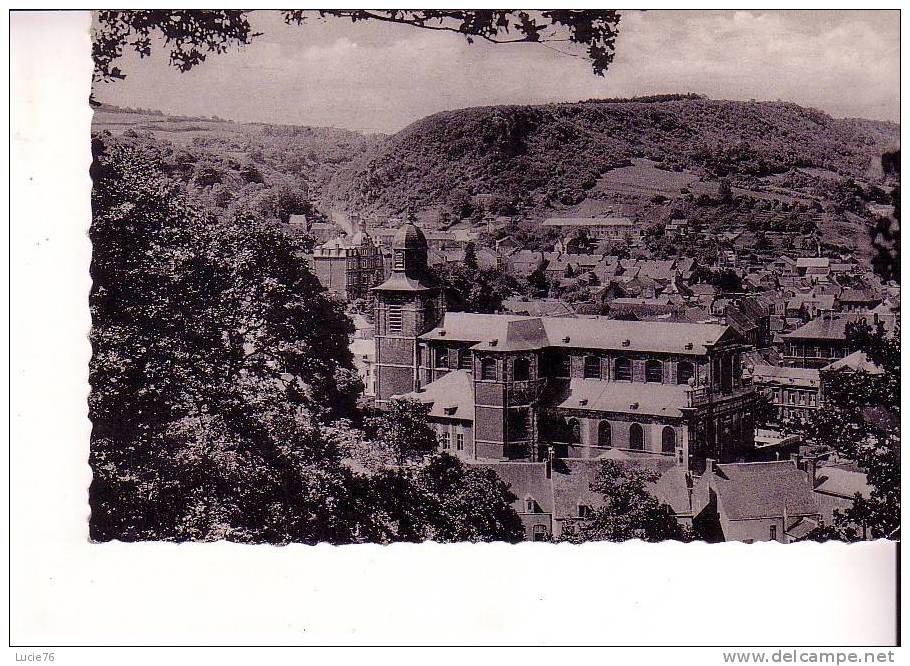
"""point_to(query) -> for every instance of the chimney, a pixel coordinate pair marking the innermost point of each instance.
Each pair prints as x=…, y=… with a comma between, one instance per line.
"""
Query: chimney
x=812, y=471
x=709, y=465
x=550, y=456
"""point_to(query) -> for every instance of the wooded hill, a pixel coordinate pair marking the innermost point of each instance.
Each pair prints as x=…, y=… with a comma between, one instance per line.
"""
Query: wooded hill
x=553, y=155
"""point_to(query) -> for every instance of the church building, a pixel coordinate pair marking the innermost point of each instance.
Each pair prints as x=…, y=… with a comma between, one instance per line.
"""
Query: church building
x=515, y=388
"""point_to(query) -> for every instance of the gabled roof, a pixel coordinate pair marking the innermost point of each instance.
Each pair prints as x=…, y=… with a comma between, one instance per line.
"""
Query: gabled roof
x=670, y=337
x=526, y=480
x=813, y=262
x=517, y=335
x=762, y=490
x=841, y=481
x=858, y=296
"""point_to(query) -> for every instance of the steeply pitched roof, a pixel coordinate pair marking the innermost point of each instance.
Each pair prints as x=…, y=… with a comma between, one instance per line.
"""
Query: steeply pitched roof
x=762, y=490
x=451, y=396
x=526, y=480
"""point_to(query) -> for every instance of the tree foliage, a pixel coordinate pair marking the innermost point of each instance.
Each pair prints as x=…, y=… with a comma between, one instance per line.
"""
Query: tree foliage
x=216, y=355
x=470, y=288
x=629, y=509
x=223, y=390
x=192, y=35
x=420, y=496
x=860, y=419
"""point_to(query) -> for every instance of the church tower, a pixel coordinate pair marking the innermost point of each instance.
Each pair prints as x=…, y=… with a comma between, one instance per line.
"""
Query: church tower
x=408, y=304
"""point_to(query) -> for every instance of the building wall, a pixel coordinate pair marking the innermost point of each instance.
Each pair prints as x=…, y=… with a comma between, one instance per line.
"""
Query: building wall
x=752, y=530
x=449, y=434
x=813, y=354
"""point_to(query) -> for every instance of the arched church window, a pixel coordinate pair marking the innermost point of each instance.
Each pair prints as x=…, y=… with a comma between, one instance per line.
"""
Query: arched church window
x=654, y=371
x=604, y=434
x=668, y=440
x=636, y=437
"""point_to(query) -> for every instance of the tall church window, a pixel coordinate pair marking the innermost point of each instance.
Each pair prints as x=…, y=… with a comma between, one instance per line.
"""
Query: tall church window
x=668, y=440
x=521, y=369
x=604, y=434
x=623, y=370
x=399, y=260
x=636, y=437
x=654, y=371
x=574, y=431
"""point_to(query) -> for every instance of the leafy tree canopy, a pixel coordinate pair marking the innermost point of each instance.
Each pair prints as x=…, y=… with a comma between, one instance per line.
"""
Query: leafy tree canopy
x=629, y=510
x=192, y=35
x=860, y=419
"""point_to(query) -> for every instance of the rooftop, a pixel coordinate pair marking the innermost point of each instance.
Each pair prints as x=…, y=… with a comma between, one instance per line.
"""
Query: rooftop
x=451, y=396
x=857, y=362
x=832, y=326
x=762, y=490
x=649, y=399
x=589, y=333
x=841, y=481
x=588, y=222
x=795, y=376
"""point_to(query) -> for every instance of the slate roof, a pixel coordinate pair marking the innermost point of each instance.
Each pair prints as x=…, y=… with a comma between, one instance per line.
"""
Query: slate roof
x=857, y=362
x=831, y=327
x=451, y=396
x=592, y=333
x=858, y=296
x=813, y=262
x=537, y=307
x=786, y=376
x=761, y=490
x=526, y=479
x=651, y=399
x=841, y=481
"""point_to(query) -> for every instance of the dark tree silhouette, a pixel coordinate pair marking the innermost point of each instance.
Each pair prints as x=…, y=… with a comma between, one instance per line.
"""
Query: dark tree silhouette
x=191, y=35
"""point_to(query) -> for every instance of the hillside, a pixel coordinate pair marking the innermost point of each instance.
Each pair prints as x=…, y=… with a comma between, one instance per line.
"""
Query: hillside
x=767, y=166
x=231, y=160
x=555, y=155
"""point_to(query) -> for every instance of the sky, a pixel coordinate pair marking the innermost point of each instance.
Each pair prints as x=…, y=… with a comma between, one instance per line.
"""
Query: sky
x=375, y=77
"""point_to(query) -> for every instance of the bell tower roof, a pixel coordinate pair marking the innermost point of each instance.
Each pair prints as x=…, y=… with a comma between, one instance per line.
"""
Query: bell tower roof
x=409, y=237
x=409, y=262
